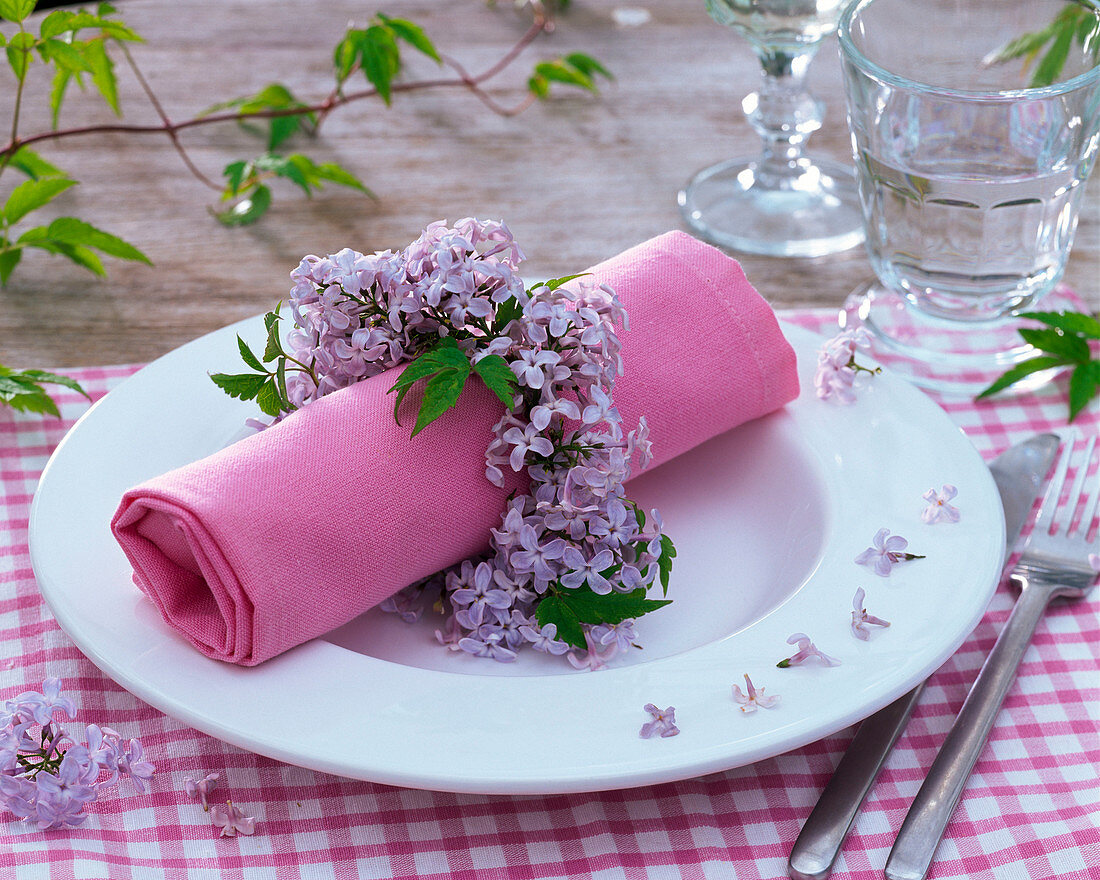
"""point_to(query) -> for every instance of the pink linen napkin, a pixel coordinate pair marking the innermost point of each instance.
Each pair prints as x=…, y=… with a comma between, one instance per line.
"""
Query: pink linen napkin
x=300, y=528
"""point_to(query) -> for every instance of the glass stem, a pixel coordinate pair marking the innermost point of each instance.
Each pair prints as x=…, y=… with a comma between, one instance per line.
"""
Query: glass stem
x=783, y=113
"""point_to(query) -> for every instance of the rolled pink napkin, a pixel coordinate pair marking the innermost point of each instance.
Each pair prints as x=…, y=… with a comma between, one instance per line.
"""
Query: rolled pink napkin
x=300, y=528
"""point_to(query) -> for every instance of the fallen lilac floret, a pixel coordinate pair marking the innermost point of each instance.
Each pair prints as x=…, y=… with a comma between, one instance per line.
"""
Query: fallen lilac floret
x=861, y=619
x=662, y=724
x=806, y=651
x=232, y=820
x=752, y=698
x=938, y=509
x=887, y=551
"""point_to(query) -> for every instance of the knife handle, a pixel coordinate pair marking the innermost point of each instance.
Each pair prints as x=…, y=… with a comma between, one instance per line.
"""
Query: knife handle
x=924, y=824
x=821, y=837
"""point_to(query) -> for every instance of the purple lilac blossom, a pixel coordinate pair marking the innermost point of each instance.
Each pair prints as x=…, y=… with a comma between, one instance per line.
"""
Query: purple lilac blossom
x=835, y=378
x=663, y=722
x=861, y=619
x=357, y=315
x=752, y=698
x=201, y=788
x=806, y=651
x=231, y=819
x=887, y=551
x=938, y=510
x=47, y=778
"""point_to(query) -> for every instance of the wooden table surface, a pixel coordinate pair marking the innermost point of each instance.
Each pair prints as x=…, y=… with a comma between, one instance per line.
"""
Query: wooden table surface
x=578, y=178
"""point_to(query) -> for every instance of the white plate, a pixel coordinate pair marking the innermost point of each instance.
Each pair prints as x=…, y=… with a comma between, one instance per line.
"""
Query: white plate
x=767, y=518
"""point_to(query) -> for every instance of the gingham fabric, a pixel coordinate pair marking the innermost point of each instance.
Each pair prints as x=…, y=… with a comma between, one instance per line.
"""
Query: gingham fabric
x=1031, y=810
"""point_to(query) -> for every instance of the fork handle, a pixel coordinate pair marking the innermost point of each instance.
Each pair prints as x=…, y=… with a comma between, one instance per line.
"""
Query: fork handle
x=935, y=802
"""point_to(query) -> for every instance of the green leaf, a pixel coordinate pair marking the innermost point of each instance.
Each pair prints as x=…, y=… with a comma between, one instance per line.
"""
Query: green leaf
x=507, y=311
x=587, y=65
x=1071, y=322
x=82, y=256
x=8, y=261
x=58, y=22
x=273, y=348
x=281, y=166
x=440, y=394
x=281, y=128
x=60, y=84
x=380, y=58
x=19, y=50
x=559, y=71
x=1021, y=371
x=570, y=608
x=498, y=377
x=664, y=561
x=345, y=54
x=64, y=54
x=39, y=376
x=1026, y=44
x=234, y=174
x=33, y=165
x=243, y=386
x=1065, y=346
x=37, y=401
x=247, y=210
x=16, y=10
x=334, y=173
x=553, y=610
x=70, y=230
x=31, y=195
x=103, y=73
x=539, y=86
x=280, y=379
x=1084, y=385
x=269, y=399
x=248, y=357
x=1051, y=66
x=555, y=283
x=412, y=34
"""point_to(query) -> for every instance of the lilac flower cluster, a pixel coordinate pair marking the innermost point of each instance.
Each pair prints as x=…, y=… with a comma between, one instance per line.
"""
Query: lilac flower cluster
x=837, y=368
x=575, y=531
x=48, y=778
x=357, y=315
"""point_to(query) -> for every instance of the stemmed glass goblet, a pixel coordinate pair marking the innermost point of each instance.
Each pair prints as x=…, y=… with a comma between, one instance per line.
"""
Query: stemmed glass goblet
x=779, y=203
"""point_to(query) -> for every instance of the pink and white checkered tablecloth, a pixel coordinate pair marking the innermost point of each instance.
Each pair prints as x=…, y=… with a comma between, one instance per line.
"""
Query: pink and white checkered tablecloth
x=1031, y=811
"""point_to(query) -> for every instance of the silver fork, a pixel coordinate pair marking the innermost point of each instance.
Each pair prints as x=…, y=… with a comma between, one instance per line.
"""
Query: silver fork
x=1054, y=563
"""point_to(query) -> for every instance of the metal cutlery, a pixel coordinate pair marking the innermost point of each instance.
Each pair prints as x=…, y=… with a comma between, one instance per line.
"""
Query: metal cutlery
x=1054, y=563
x=1018, y=473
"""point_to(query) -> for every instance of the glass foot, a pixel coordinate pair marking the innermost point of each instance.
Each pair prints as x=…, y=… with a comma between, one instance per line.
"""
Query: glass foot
x=810, y=215
x=951, y=357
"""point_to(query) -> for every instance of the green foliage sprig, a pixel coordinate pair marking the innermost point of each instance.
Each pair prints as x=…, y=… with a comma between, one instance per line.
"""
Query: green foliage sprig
x=1064, y=342
x=22, y=390
x=1050, y=46
x=80, y=45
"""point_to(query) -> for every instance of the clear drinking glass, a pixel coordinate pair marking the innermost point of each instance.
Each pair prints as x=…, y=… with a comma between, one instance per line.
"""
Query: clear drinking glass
x=971, y=172
x=779, y=203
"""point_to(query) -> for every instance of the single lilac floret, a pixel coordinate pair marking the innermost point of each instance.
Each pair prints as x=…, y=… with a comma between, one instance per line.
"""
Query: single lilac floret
x=861, y=619
x=201, y=788
x=806, y=651
x=938, y=509
x=663, y=722
x=752, y=698
x=887, y=551
x=232, y=820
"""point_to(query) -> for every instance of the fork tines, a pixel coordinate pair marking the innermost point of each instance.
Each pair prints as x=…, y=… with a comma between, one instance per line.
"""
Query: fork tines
x=1061, y=534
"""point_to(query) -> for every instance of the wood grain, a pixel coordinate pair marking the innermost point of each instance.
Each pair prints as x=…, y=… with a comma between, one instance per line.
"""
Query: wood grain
x=578, y=178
